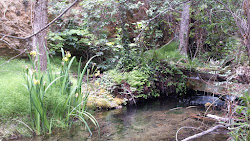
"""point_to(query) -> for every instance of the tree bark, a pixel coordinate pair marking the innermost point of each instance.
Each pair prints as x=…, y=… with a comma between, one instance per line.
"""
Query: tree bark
x=184, y=29
x=40, y=41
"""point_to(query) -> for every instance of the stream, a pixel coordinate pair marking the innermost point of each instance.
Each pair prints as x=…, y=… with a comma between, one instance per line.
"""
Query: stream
x=152, y=121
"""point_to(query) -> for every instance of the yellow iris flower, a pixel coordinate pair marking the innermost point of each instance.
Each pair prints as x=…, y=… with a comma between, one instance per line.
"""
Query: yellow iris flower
x=66, y=59
x=33, y=53
x=36, y=82
x=68, y=54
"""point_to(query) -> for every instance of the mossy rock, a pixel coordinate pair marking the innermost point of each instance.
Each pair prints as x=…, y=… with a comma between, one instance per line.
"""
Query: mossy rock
x=106, y=102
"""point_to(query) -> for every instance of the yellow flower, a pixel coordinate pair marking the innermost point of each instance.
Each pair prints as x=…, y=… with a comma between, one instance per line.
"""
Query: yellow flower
x=76, y=95
x=33, y=53
x=98, y=73
x=97, y=83
x=66, y=59
x=36, y=82
x=68, y=54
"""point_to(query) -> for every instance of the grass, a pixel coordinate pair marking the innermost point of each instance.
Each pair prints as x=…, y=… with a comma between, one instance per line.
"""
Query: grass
x=45, y=100
x=14, y=99
x=166, y=52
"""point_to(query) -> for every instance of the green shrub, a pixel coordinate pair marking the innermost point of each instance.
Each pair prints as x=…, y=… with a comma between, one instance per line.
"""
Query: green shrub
x=240, y=130
x=135, y=78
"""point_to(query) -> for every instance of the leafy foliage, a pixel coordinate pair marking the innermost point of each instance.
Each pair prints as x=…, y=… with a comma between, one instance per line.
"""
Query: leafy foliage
x=240, y=130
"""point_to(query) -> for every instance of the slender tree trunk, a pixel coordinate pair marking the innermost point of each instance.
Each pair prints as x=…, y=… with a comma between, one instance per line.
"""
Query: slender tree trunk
x=40, y=41
x=184, y=29
x=248, y=33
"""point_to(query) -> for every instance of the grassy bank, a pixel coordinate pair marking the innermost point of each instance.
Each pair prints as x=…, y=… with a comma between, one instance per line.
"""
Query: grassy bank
x=14, y=99
x=22, y=109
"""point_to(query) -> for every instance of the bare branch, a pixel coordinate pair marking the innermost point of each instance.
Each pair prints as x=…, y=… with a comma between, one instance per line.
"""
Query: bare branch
x=24, y=38
x=14, y=57
x=185, y=127
x=237, y=20
x=204, y=132
x=6, y=42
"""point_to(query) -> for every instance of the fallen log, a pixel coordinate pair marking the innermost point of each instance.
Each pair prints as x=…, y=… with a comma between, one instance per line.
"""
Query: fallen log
x=204, y=76
x=202, y=118
x=221, y=88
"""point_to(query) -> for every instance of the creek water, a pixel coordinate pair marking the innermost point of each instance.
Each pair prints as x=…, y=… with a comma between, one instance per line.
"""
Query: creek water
x=152, y=121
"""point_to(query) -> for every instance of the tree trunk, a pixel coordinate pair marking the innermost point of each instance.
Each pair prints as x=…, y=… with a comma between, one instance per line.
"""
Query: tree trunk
x=184, y=29
x=39, y=41
x=248, y=34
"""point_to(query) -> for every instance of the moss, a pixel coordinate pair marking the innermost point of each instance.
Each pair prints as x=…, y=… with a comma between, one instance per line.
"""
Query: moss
x=103, y=103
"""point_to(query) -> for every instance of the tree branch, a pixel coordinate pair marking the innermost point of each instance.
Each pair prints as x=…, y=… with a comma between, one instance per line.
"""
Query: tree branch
x=6, y=42
x=14, y=57
x=138, y=37
x=25, y=38
x=236, y=19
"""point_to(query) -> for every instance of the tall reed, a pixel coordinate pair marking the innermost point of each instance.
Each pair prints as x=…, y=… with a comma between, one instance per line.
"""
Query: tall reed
x=75, y=102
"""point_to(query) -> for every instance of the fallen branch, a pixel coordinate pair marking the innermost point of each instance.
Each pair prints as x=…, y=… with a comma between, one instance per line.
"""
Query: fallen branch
x=204, y=132
x=224, y=119
x=185, y=127
x=218, y=118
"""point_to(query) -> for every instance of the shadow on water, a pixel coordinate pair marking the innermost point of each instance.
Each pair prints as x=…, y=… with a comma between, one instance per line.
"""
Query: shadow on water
x=156, y=120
